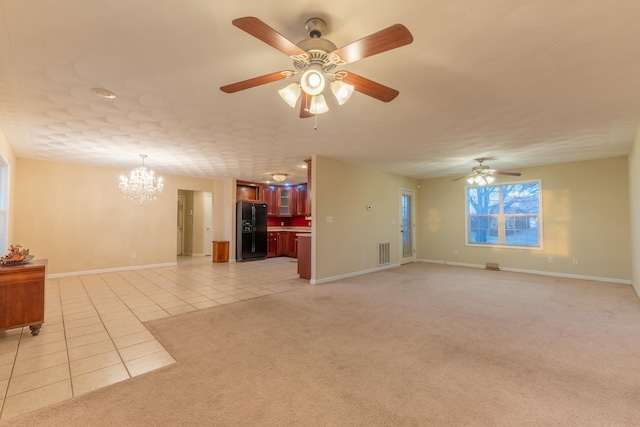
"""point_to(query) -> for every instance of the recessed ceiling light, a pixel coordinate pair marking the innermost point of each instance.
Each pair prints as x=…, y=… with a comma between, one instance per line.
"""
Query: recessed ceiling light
x=302, y=165
x=102, y=93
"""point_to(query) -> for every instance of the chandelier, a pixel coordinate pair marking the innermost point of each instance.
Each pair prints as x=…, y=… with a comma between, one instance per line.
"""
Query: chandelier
x=141, y=187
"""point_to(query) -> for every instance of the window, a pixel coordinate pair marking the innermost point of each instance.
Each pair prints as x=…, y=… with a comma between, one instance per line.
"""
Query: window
x=505, y=215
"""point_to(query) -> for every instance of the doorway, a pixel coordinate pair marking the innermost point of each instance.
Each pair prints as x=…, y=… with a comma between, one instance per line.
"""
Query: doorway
x=407, y=226
x=208, y=223
x=180, y=244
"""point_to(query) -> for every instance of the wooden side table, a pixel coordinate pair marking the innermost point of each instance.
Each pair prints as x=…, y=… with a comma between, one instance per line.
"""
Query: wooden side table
x=220, y=251
x=22, y=296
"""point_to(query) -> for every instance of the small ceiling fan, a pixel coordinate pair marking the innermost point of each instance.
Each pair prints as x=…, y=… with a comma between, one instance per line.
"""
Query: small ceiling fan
x=316, y=58
x=483, y=174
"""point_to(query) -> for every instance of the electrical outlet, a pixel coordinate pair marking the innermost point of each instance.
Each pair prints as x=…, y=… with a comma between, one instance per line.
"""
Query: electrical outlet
x=133, y=254
x=550, y=259
x=456, y=252
x=575, y=261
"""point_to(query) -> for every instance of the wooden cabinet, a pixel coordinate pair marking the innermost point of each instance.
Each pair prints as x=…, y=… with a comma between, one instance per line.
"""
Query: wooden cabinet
x=276, y=243
x=299, y=203
x=304, y=256
x=272, y=244
x=248, y=191
x=281, y=200
x=22, y=296
x=282, y=242
x=271, y=199
x=291, y=249
x=284, y=201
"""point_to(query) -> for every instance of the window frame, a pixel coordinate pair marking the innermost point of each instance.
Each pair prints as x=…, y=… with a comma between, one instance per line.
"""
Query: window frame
x=501, y=217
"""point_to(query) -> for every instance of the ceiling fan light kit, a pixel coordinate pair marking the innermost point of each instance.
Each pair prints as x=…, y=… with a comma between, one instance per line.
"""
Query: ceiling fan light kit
x=482, y=175
x=315, y=58
x=290, y=94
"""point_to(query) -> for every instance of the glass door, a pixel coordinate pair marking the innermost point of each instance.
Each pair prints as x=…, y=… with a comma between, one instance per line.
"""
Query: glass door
x=407, y=226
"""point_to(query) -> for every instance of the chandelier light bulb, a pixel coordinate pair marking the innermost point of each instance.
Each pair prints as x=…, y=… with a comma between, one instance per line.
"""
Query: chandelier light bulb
x=312, y=80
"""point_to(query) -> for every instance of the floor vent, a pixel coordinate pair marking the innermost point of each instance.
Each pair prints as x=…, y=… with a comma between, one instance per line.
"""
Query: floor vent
x=384, y=253
x=492, y=266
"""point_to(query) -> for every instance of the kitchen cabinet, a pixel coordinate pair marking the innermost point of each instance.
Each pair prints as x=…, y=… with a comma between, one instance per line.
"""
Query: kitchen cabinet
x=284, y=201
x=291, y=249
x=304, y=256
x=271, y=199
x=272, y=244
x=22, y=296
x=282, y=242
x=248, y=191
x=300, y=203
x=276, y=243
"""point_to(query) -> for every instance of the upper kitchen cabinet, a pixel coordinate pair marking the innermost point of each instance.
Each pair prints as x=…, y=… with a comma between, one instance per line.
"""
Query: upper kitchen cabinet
x=271, y=199
x=300, y=203
x=249, y=192
x=284, y=201
x=281, y=200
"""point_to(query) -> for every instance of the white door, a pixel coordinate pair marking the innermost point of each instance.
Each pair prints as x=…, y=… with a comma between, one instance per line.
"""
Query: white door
x=407, y=226
x=180, y=225
x=208, y=223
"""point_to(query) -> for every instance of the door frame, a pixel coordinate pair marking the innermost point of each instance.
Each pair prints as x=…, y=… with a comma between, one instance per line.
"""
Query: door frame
x=207, y=199
x=411, y=193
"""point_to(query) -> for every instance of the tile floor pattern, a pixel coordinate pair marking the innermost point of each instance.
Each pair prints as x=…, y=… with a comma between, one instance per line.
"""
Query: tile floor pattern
x=93, y=333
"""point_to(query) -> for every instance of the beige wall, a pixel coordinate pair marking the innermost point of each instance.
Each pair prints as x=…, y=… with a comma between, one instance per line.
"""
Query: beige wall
x=75, y=216
x=342, y=191
x=634, y=212
x=585, y=214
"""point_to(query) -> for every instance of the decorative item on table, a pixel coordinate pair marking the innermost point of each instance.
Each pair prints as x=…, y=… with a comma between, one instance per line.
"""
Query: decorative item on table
x=16, y=255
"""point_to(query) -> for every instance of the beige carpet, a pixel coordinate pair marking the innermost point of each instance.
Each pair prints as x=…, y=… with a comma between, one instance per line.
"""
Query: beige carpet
x=419, y=345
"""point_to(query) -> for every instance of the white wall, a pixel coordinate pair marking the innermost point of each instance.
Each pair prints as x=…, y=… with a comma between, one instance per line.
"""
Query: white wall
x=584, y=218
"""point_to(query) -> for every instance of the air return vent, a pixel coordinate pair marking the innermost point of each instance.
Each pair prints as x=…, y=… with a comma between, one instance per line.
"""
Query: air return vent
x=384, y=253
x=492, y=266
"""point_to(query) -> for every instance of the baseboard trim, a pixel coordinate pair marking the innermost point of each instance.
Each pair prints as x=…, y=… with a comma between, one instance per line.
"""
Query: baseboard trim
x=538, y=272
x=110, y=270
x=355, y=273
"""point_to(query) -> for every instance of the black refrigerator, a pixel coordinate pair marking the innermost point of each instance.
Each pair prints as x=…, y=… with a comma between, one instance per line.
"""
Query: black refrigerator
x=251, y=233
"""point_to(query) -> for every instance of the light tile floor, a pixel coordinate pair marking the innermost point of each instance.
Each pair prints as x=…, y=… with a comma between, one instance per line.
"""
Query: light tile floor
x=94, y=335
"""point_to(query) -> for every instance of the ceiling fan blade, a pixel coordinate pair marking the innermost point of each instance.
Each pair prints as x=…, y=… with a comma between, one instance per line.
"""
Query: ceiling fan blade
x=459, y=178
x=371, y=88
x=506, y=173
x=305, y=102
x=262, y=31
x=390, y=38
x=256, y=81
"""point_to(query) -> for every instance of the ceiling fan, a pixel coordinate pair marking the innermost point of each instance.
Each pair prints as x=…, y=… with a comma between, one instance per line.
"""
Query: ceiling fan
x=316, y=58
x=482, y=174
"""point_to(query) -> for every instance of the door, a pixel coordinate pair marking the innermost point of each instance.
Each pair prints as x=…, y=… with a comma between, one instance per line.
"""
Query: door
x=407, y=226
x=208, y=223
x=180, y=243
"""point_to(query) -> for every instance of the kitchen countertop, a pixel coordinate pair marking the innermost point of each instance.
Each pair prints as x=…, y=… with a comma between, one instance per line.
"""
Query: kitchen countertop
x=292, y=229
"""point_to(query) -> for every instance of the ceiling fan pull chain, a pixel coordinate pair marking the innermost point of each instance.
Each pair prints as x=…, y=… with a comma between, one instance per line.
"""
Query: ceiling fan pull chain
x=316, y=125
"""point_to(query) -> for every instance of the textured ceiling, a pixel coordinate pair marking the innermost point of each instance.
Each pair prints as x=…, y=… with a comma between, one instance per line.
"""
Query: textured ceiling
x=528, y=82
